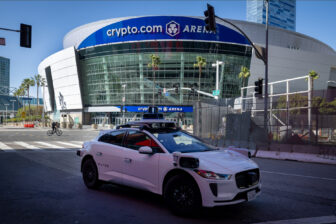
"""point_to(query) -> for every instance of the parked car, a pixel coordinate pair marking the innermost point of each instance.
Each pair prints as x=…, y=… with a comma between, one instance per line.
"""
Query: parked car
x=157, y=156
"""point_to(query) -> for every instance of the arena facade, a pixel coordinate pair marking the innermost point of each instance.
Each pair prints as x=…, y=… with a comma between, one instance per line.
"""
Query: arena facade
x=102, y=74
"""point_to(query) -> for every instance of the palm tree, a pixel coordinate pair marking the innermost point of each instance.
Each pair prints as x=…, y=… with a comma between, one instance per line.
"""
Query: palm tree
x=26, y=84
x=244, y=74
x=38, y=81
x=313, y=76
x=200, y=62
x=19, y=93
x=43, y=84
x=154, y=64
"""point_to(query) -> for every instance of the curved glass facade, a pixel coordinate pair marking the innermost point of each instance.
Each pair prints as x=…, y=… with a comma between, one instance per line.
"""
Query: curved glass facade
x=104, y=70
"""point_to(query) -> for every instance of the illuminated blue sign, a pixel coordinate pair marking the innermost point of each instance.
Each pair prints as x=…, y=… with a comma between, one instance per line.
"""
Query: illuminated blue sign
x=162, y=109
x=161, y=28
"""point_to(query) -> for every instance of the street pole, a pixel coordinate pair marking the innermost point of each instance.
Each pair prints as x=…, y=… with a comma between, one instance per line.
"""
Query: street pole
x=13, y=105
x=43, y=105
x=6, y=113
x=217, y=74
x=124, y=99
x=266, y=73
x=259, y=54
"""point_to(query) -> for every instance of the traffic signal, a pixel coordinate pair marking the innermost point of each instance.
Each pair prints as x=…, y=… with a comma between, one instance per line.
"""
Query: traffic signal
x=176, y=89
x=259, y=86
x=25, y=35
x=210, y=20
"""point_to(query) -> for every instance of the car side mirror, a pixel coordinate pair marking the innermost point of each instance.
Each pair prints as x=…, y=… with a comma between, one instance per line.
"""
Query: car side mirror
x=145, y=150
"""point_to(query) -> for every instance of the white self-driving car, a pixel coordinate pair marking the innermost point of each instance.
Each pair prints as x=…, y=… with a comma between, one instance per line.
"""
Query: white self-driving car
x=157, y=156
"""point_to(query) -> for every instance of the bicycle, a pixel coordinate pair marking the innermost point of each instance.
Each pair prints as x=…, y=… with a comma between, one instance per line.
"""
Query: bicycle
x=58, y=132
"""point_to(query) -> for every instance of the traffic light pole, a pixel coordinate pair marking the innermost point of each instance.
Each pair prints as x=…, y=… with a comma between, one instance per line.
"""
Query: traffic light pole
x=10, y=30
x=263, y=57
x=266, y=74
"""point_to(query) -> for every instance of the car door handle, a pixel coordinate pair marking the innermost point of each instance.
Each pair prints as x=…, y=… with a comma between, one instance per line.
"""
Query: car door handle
x=127, y=160
x=99, y=153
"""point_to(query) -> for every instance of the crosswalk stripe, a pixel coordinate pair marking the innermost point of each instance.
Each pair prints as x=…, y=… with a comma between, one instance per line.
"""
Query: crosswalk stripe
x=5, y=147
x=70, y=144
x=52, y=146
x=28, y=146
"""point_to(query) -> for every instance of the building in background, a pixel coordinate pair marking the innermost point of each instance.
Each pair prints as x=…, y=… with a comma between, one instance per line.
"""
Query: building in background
x=282, y=13
x=102, y=74
x=4, y=75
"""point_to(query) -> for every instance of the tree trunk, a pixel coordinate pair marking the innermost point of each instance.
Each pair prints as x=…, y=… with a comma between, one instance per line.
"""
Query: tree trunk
x=199, y=82
x=37, y=99
x=29, y=103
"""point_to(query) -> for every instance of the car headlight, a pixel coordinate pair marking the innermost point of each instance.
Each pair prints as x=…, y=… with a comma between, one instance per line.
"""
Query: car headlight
x=211, y=175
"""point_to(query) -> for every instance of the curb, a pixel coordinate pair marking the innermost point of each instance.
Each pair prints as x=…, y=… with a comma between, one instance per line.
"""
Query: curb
x=301, y=157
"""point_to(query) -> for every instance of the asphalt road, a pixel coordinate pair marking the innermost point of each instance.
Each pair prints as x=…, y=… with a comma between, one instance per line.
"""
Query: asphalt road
x=45, y=186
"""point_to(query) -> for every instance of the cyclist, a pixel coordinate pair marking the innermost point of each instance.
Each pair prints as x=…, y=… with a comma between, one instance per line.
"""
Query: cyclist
x=53, y=126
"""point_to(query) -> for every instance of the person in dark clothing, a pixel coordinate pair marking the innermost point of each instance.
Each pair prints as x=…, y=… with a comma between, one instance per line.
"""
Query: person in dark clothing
x=53, y=126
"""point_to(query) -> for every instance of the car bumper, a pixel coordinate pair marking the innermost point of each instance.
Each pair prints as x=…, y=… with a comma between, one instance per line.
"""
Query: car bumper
x=225, y=192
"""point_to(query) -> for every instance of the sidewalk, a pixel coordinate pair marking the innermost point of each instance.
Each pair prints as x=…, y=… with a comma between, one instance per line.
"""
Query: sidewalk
x=302, y=157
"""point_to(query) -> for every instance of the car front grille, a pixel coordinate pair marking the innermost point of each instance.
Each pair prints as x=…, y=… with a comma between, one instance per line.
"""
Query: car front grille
x=247, y=178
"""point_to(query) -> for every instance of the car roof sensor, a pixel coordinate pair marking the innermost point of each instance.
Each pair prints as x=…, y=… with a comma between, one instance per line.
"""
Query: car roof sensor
x=152, y=113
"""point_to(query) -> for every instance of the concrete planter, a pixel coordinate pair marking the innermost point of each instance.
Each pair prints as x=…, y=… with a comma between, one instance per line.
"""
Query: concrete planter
x=63, y=125
x=94, y=126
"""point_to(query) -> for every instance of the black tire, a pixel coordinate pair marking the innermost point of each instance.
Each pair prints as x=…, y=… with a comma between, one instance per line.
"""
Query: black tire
x=182, y=195
x=59, y=132
x=90, y=174
x=50, y=133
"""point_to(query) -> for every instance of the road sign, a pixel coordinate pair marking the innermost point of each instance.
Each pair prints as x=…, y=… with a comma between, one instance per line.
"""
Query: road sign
x=167, y=94
x=23, y=114
x=215, y=92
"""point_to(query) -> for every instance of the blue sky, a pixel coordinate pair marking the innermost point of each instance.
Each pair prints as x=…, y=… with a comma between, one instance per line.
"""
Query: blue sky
x=51, y=20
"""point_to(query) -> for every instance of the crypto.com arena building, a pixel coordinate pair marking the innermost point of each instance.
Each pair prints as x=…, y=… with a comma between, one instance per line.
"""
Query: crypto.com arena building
x=104, y=65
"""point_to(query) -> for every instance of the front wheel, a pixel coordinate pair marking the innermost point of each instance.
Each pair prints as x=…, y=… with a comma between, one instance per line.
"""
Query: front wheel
x=59, y=132
x=90, y=174
x=182, y=195
x=50, y=132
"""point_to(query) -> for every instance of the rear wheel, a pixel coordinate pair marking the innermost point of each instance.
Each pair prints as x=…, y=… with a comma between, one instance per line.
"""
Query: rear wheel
x=182, y=195
x=90, y=174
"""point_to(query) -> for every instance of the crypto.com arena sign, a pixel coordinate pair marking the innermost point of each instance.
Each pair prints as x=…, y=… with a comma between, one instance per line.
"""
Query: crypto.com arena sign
x=161, y=28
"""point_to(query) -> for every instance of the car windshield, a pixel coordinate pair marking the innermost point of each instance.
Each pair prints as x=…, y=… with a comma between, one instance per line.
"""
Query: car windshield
x=178, y=141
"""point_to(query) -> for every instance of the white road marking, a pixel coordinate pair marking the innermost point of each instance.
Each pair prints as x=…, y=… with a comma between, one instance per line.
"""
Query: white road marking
x=298, y=175
x=78, y=142
x=70, y=144
x=312, y=220
x=52, y=146
x=5, y=147
x=28, y=146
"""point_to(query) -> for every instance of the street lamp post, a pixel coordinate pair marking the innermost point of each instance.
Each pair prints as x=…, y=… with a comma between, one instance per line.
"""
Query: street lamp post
x=6, y=105
x=13, y=105
x=217, y=74
x=43, y=103
x=124, y=99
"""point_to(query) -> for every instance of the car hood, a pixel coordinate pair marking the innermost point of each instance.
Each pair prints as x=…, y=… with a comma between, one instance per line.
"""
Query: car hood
x=223, y=161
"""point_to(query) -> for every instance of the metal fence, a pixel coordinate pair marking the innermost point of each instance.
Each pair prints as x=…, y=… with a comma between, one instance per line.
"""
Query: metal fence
x=292, y=119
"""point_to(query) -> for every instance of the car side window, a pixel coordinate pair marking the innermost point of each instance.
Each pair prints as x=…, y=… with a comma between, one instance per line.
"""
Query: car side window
x=115, y=137
x=137, y=139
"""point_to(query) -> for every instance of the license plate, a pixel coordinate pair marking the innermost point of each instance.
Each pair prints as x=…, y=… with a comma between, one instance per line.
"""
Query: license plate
x=251, y=195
